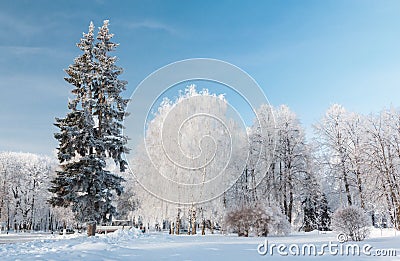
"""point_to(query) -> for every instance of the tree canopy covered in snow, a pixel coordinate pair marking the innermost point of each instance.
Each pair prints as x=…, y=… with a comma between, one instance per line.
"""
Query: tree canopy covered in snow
x=24, y=179
x=352, y=160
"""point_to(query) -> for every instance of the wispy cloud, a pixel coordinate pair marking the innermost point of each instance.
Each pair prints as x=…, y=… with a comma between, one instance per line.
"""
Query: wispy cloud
x=9, y=52
x=31, y=87
x=22, y=50
x=17, y=25
x=152, y=25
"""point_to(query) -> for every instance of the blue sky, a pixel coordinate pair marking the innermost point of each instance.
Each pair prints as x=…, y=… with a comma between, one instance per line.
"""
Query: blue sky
x=306, y=54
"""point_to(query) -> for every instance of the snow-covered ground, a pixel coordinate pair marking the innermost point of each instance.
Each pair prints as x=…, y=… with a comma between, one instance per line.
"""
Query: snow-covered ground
x=22, y=237
x=132, y=245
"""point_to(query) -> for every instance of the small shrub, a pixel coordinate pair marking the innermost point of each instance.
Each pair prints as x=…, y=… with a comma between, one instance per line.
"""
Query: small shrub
x=352, y=221
x=262, y=221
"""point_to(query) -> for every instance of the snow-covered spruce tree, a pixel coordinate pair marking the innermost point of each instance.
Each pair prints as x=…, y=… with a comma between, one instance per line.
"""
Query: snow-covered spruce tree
x=317, y=214
x=310, y=209
x=314, y=204
x=311, y=193
x=324, y=214
x=91, y=132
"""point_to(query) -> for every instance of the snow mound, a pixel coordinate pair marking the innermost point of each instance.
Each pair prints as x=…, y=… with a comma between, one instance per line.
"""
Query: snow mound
x=90, y=246
x=124, y=234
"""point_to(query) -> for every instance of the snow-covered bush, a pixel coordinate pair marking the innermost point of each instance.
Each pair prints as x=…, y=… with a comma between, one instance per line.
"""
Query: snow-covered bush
x=352, y=221
x=262, y=221
x=279, y=224
x=240, y=220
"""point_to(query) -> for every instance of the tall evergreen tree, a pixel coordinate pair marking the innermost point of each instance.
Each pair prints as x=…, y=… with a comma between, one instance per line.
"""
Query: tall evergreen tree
x=91, y=132
x=311, y=202
x=324, y=214
x=310, y=209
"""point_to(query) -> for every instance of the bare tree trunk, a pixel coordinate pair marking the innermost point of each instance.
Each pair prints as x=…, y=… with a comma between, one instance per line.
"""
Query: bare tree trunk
x=193, y=221
x=345, y=179
x=290, y=206
x=33, y=205
x=189, y=221
x=8, y=217
x=360, y=191
x=178, y=222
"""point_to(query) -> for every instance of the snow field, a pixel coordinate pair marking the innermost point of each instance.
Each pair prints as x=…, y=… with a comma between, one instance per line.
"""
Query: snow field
x=133, y=245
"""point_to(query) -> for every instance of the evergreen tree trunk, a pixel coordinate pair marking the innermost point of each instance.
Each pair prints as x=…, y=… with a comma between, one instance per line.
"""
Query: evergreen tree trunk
x=91, y=229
